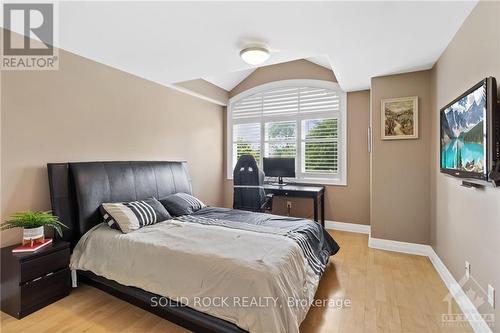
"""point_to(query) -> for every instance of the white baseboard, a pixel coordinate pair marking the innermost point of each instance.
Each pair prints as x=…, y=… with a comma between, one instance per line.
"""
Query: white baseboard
x=465, y=304
x=396, y=246
x=350, y=227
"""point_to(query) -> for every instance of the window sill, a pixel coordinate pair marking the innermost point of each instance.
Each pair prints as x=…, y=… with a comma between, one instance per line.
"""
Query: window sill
x=326, y=182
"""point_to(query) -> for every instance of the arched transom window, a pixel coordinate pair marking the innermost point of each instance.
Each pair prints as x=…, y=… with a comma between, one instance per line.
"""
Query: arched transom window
x=304, y=119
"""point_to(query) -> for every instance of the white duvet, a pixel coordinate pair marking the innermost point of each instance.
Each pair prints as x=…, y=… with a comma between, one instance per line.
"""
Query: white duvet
x=260, y=282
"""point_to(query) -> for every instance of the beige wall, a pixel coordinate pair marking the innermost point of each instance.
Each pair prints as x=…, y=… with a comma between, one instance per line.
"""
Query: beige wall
x=349, y=203
x=297, y=69
x=88, y=111
x=400, y=168
x=465, y=223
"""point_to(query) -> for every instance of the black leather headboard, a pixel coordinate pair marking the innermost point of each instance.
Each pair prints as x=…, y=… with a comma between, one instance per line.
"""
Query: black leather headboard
x=78, y=189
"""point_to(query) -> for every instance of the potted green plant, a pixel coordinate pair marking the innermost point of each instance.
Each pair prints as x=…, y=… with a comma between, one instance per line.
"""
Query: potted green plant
x=33, y=224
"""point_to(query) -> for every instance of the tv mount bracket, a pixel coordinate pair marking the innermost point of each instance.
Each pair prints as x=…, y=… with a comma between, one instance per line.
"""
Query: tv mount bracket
x=468, y=184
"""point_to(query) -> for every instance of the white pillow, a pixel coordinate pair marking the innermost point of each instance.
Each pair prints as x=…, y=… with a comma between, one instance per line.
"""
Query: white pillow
x=130, y=216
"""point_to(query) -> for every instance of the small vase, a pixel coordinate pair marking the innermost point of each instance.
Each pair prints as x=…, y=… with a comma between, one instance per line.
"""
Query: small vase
x=33, y=235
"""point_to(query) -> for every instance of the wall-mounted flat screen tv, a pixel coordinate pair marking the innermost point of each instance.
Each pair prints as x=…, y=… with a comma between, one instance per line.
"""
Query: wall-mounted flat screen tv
x=469, y=132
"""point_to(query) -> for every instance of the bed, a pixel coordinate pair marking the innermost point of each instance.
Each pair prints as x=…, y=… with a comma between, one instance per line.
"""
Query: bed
x=216, y=270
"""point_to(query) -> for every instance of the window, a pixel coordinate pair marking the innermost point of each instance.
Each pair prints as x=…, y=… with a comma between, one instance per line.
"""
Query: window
x=320, y=146
x=280, y=139
x=246, y=140
x=305, y=119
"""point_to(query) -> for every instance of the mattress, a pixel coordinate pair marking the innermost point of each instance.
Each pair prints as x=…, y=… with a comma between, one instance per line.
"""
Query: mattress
x=254, y=270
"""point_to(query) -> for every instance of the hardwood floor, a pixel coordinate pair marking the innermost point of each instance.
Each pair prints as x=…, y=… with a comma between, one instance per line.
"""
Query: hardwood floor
x=388, y=292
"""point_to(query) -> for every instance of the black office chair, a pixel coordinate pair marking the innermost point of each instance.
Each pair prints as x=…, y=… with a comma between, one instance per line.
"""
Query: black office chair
x=248, y=182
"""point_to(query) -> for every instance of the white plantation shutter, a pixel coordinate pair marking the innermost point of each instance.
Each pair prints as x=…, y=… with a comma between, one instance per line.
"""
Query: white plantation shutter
x=280, y=139
x=320, y=146
x=305, y=121
x=280, y=102
x=250, y=107
x=246, y=140
x=287, y=102
x=314, y=100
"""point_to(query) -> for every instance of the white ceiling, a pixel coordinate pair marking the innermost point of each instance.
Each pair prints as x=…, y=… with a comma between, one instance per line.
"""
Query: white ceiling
x=230, y=80
x=321, y=60
x=169, y=42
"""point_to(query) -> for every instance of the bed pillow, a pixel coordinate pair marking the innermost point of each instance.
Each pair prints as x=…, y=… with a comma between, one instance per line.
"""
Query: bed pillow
x=130, y=216
x=182, y=204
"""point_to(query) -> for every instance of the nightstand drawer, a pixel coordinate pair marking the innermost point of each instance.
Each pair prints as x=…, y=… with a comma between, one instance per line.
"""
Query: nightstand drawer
x=37, y=267
x=38, y=293
x=30, y=281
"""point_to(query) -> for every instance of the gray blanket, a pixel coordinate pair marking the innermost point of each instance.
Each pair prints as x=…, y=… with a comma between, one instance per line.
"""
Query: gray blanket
x=315, y=242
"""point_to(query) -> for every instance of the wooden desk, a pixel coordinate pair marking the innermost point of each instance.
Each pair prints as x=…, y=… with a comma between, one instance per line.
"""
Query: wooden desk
x=315, y=192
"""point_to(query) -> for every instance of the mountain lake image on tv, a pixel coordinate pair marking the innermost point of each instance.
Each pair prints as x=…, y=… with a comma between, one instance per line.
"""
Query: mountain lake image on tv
x=463, y=133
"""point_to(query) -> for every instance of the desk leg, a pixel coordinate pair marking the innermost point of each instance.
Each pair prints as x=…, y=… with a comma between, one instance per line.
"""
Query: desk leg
x=316, y=208
x=323, y=210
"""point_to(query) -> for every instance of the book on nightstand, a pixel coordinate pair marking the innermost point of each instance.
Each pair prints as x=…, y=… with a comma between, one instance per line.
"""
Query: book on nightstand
x=35, y=247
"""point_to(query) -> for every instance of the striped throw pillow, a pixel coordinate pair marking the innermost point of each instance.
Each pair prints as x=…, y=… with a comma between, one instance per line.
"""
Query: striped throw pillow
x=130, y=216
x=182, y=204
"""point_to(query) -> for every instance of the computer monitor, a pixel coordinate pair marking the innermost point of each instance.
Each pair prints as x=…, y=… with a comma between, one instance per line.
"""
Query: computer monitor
x=279, y=167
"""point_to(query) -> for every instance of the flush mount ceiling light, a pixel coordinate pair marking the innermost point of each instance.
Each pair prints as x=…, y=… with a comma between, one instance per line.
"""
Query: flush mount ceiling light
x=254, y=55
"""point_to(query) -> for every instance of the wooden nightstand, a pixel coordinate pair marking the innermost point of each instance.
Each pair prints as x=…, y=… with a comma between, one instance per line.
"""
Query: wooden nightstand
x=31, y=281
